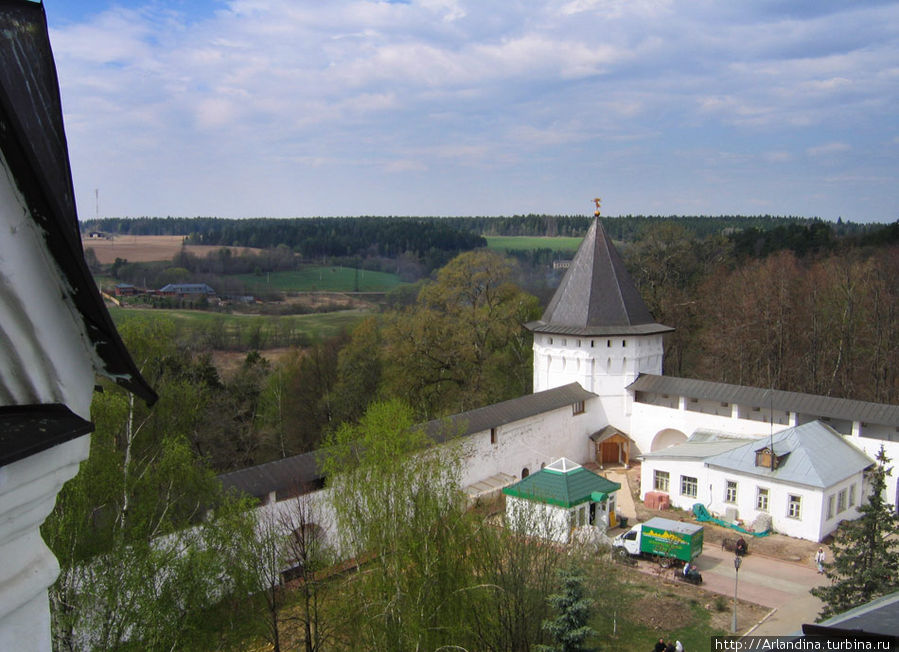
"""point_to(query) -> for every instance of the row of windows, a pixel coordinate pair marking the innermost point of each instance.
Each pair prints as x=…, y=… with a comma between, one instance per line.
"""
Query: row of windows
x=844, y=499
x=564, y=342
x=689, y=487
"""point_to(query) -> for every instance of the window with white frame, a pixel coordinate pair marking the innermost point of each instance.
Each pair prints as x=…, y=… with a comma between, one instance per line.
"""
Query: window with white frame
x=688, y=486
x=794, y=506
x=660, y=481
x=829, y=514
x=730, y=492
x=852, y=496
x=841, y=501
x=761, y=499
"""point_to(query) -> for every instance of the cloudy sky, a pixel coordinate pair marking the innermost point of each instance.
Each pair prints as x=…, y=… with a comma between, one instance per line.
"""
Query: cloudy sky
x=280, y=108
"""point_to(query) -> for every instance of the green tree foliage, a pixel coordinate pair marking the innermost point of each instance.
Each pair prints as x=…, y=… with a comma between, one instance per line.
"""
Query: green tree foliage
x=667, y=263
x=296, y=402
x=228, y=436
x=865, y=552
x=359, y=372
x=144, y=538
x=569, y=629
x=463, y=343
x=514, y=572
x=400, y=508
x=433, y=574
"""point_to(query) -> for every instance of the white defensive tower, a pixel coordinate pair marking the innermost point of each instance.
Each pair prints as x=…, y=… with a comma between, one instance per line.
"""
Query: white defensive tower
x=597, y=330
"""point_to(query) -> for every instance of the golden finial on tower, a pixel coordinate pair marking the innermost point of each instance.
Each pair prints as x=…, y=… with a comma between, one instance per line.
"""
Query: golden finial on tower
x=596, y=201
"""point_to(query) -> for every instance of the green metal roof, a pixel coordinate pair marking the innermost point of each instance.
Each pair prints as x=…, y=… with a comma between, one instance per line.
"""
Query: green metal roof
x=565, y=489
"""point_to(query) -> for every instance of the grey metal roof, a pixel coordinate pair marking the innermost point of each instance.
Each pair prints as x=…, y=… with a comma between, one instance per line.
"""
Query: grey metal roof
x=597, y=295
x=808, y=404
x=498, y=414
x=698, y=449
x=879, y=616
x=816, y=456
x=33, y=143
x=304, y=472
x=299, y=472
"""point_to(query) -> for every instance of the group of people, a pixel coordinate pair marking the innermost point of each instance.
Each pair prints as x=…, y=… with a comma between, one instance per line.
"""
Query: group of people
x=670, y=647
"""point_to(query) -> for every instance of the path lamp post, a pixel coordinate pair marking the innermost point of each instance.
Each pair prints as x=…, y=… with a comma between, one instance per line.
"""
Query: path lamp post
x=737, y=561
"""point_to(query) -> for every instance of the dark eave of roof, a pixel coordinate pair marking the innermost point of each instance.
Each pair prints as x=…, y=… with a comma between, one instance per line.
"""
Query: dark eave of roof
x=33, y=142
x=301, y=473
x=500, y=414
x=291, y=475
x=29, y=429
x=597, y=295
x=808, y=404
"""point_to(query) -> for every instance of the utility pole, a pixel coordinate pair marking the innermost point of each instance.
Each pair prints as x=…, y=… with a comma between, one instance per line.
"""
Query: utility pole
x=737, y=561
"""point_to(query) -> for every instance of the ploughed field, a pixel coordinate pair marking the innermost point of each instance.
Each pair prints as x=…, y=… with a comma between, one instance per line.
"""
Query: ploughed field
x=147, y=248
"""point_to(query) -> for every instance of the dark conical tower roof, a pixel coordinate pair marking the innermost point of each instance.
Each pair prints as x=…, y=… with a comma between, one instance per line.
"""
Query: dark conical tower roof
x=597, y=295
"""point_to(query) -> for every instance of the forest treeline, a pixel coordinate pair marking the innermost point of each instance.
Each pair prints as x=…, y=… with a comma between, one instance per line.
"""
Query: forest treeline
x=391, y=237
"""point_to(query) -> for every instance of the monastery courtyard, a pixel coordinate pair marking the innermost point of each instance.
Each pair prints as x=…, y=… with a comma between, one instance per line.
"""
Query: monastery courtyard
x=777, y=573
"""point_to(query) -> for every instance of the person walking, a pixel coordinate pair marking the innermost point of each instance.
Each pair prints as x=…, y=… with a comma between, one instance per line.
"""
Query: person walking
x=819, y=560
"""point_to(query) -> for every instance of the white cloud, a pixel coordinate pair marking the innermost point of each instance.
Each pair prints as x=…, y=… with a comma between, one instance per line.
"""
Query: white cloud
x=551, y=87
x=828, y=149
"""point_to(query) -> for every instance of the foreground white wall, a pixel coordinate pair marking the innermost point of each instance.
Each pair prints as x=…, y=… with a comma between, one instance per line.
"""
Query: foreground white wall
x=45, y=357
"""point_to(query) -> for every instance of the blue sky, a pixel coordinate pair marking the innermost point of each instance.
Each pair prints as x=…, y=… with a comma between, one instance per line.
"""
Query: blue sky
x=282, y=108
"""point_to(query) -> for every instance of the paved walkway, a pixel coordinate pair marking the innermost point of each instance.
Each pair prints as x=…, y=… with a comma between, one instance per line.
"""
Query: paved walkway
x=624, y=498
x=781, y=585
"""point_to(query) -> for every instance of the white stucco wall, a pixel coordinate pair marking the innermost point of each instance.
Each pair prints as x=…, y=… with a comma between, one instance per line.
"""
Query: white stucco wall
x=691, y=468
x=602, y=365
x=648, y=420
x=711, y=485
x=538, y=519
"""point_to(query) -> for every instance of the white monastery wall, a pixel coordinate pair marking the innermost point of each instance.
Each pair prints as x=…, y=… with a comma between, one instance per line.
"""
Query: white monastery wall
x=647, y=421
x=871, y=447
x=531, y=443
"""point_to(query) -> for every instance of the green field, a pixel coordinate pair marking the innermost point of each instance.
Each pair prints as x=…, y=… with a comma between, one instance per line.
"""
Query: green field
x=523, y=242
x=243, y=332
x=322, y=279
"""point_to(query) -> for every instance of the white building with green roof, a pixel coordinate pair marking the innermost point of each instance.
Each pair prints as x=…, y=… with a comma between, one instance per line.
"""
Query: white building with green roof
x=559, y=498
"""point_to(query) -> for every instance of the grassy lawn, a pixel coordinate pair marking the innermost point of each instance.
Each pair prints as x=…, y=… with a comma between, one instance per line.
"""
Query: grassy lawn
x=329, y=279
x=241, y=332
x=503, y=243
x=645, y=608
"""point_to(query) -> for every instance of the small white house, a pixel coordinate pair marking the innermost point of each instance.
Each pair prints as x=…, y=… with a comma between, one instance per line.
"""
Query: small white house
x=558, y=498
x=807, y=478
